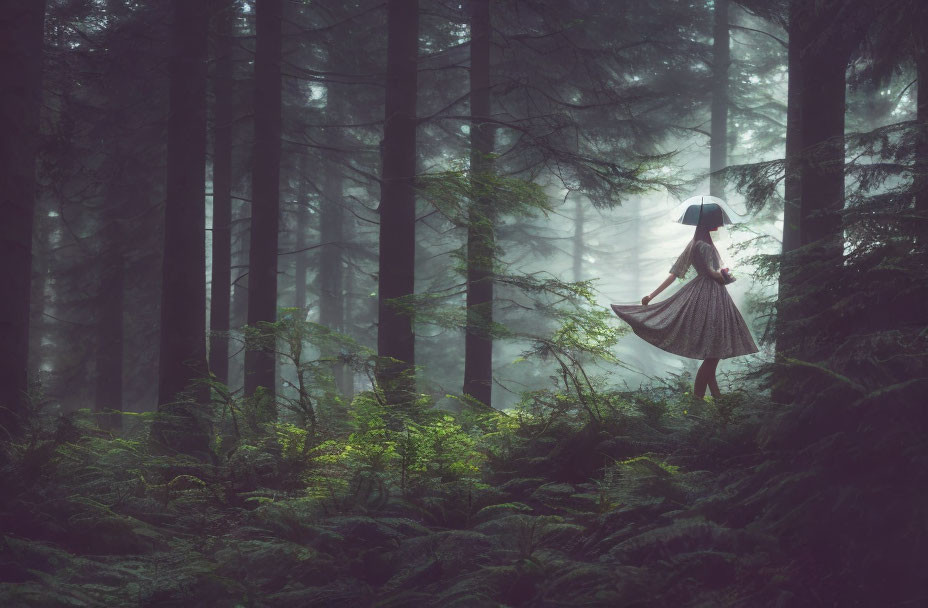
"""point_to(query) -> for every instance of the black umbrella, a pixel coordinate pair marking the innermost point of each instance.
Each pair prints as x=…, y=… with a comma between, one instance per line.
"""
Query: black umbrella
x=706, y=208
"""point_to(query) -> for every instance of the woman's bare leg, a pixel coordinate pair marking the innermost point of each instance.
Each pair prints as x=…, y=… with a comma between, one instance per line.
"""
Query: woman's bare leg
x=710, y=377
x=699, y=387
x=705, y=376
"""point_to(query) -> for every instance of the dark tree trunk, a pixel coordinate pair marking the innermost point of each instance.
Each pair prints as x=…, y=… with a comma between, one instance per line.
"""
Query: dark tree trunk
x=220, y=286
x=921, y=146
x=111, y=298
x=721, y=59
x=265, y=207
x=108, y=396
x=828, y=33
x=347, y=380
x=183, y=296
x=331, y=265
x=302, y=227
x=578, y=241
x=21, y=31
x=331, y=221
x=478, y=344
x=785, y=341
x=822, y=77
x=793, y=140
x=395, y=338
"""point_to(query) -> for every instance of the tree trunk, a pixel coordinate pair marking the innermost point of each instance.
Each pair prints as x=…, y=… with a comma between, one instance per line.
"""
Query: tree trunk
x=183, y=297
x=793, y=140
x=331, y=265
x=578, y=242
x=302, y=227
x=21, y=30
x=785, y=341
x=478, y=355
x=220, y=286
x=265, y=207
x=347, y=380
x=822, y=134
x=921, y=147
x=721, y=59
x=331, y=221
x=825, y=45
x=395, y=337
x=111, y=298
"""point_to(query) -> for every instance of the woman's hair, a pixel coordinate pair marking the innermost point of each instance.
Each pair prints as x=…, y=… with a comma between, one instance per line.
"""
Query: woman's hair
x=702, y=234
x=709, y=219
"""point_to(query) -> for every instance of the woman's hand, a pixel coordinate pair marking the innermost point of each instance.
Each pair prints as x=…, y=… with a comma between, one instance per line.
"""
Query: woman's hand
x=645, y=300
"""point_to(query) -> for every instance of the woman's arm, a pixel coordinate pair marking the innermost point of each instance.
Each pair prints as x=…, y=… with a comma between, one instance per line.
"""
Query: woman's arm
x=670, y=279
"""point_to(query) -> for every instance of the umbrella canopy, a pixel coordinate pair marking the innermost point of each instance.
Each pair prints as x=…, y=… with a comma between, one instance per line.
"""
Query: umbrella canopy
x=709, y=208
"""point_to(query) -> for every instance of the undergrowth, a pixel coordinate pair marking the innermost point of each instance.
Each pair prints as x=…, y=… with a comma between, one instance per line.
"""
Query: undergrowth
x=584, y=495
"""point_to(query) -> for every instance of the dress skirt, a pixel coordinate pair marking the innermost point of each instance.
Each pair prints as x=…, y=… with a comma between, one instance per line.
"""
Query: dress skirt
x=699, y=321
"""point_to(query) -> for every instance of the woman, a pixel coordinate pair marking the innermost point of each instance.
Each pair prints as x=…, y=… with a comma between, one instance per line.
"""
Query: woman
x=700, y=321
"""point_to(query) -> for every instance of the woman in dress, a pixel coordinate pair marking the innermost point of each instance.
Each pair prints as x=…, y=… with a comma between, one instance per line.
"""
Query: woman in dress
x=700, y=321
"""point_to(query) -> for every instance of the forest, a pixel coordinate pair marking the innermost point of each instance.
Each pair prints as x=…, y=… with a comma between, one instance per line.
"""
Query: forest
x=307, y=303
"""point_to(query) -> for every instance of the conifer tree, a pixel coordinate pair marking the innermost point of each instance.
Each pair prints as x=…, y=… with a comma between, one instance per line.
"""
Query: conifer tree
x=20, y=99
x=265, y=208
x=183, y=299
x=395, y=335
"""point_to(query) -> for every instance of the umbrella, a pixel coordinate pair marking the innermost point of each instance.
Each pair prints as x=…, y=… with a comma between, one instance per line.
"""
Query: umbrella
x=710, y=207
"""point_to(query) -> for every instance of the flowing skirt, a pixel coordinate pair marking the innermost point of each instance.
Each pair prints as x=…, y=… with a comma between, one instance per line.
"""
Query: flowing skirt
x=699, y=321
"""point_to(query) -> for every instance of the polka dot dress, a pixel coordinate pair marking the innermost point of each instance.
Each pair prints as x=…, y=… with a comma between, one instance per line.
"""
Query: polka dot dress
x=700, y=320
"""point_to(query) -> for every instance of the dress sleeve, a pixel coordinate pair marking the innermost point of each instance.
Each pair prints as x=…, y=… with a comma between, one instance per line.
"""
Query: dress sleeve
x=683, y=263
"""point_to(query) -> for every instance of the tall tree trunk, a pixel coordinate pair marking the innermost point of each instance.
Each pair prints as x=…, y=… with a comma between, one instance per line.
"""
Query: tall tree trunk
x=821, y=188
x=21, y=31
x=578, y=242
x=921, y=146
x=220, y=285
x=111, y=298
x=331, y=265
x=108, y=397
x=793, y=137
x=302, y=227
x=721, y=60
x=478, y=344
x=785, y=338
x=265, y=207
x=183, y=297
x=920, y=183
x=347, y=386
x=331, y=221
x=828, y=33
x=395, y=337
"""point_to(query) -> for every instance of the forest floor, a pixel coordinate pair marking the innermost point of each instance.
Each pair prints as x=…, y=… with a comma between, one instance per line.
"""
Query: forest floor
x=666, y=503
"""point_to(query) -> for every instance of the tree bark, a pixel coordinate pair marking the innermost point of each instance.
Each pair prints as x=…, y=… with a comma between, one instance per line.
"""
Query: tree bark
x=822, y=134
x=265, y=208
x=578, y=241
x=302, y=227
x=478, y=355
x=921, y=147
x=183, y=297
x=21, y=30
x=331, y=222
x=331, y=265
x=793, y=137
x=721, y=60
x=111, y=299
x=221, y=283
x=395, y=337
x=785, y=340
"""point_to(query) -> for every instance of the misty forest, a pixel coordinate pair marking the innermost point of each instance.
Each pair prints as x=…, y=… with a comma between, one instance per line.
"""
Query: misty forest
x=308, y=303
